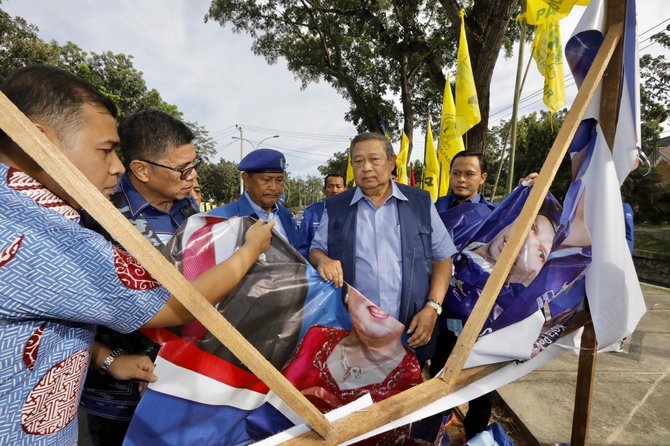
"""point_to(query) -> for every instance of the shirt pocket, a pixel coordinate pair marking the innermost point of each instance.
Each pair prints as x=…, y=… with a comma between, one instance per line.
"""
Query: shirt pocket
x=424, y=242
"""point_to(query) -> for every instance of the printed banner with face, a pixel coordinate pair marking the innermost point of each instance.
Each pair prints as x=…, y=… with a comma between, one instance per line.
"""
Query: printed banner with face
x=546, y=282
x=333, y=344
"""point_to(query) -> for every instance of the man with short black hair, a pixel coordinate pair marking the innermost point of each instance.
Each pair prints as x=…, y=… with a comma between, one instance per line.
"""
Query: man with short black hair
x=155, y=195
x=333, y=184
x=58, y=281
x=160, y=160
x=468, y=171
x=263, y=177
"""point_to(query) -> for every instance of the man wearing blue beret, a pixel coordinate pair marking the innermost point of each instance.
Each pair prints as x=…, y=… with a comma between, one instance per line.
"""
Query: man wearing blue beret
x=263, y=177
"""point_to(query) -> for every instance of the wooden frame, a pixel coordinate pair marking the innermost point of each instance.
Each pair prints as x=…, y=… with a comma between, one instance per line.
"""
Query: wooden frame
x=37, y=146
x=454, y=377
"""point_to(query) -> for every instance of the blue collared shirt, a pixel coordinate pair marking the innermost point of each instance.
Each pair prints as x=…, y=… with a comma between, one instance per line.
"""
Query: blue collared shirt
x=164, y=224
x=378, y=252
x=267, y=216
x=449, y=201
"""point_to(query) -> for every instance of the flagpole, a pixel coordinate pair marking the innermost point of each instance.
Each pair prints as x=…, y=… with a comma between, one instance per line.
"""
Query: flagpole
x=515, y=106
x=439, y=181
x=425, y=149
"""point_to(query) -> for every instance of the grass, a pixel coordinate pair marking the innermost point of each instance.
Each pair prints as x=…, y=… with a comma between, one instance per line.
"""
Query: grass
x=652, y=238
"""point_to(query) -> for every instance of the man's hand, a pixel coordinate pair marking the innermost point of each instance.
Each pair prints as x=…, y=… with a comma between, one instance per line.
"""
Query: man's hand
x=137, y=367
x=259, y=235
x=421, y=327
x=528, y=180
x=331, y=270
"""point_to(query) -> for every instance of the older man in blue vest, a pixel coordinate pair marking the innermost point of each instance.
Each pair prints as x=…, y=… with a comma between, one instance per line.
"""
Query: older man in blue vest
x=387, y=240
x=263, y=177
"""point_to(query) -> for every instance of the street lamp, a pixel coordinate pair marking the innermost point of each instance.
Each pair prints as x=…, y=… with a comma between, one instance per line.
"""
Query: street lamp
x=253, y=147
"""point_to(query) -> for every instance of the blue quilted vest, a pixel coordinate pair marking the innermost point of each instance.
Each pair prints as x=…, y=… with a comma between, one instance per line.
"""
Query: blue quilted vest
x=416, y=244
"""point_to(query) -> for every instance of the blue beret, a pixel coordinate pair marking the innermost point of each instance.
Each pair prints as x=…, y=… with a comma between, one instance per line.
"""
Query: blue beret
x=263, y=160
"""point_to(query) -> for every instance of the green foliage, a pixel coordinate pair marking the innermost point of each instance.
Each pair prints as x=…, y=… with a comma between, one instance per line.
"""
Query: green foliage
x=300, y=193
x=376, y=52
x=649, y=192
x=336, y=164
x=20, y=46
x=113, y=74
x=536, y=133
x=220, y=182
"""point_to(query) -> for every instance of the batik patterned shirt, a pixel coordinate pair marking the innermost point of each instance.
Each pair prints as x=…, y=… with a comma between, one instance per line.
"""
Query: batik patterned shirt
x=57, y=282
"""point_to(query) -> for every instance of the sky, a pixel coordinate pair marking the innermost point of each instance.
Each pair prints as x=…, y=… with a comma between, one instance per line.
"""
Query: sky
x=214, y=78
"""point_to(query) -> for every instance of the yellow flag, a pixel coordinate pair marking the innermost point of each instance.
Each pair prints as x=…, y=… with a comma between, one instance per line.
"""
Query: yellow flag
x=401, y=160
x=449, y=144
x=431, y=178
x=548, y=55
x=467, y=104
x=350, y=171
x=444, y=175
x=542, y=11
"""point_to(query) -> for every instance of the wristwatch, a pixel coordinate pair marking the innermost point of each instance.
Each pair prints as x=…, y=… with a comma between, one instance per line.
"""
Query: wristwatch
x=110, y=359
x=435, y=305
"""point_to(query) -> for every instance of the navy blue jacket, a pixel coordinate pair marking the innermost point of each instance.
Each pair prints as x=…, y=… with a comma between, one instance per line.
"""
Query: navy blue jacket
x=415, y=239
x=309, y=225
x=449, y=201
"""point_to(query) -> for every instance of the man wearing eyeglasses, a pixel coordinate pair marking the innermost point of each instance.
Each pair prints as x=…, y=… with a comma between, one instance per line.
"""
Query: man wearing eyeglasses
x=159, y=156
x=155, y=195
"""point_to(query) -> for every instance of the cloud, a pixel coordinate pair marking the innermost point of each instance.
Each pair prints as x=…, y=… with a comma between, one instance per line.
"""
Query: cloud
x=211, y=74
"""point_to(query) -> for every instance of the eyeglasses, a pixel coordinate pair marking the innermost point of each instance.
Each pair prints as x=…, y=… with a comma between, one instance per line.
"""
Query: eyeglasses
x=184, y=173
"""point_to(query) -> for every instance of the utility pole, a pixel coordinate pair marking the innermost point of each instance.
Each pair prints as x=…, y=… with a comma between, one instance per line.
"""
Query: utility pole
x=239, y=127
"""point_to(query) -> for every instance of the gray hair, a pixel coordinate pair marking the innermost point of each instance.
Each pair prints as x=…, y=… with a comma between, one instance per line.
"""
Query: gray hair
x=374, y=136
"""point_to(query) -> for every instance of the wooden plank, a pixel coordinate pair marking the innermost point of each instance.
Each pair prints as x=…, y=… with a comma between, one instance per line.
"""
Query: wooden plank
x=410, y=400
x=610, y=96
x=584, y=389
x=610, y=102
x=18, y=127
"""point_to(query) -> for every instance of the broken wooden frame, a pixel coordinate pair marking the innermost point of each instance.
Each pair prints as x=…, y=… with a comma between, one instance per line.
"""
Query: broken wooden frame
x=37, y=146
x=454, y=377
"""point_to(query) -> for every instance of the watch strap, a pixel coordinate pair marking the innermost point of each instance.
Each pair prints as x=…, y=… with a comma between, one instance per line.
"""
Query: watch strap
x=110, y=359
x=435, y=305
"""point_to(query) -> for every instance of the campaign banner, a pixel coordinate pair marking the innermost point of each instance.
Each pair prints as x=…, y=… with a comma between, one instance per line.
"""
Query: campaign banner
x=333, y=344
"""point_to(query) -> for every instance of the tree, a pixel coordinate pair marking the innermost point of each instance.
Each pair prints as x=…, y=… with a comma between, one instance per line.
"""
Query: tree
x=20, y=46
x=336, y=164
x=647, y=191
x=536, y=133
x=372, y=52
x=113, y=74
x=300, y=193
x=220, y=182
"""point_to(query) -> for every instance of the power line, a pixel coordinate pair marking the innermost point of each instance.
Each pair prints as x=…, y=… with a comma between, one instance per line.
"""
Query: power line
x=567, y=78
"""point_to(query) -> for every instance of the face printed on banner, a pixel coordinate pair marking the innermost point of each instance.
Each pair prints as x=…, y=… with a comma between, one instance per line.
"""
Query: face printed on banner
x=533, y=254
x=372, y=325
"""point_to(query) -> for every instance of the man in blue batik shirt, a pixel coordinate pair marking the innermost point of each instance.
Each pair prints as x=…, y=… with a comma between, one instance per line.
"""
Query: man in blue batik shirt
x=333, y=184
x=58, y=281
x=263, y=177
x=387, y=240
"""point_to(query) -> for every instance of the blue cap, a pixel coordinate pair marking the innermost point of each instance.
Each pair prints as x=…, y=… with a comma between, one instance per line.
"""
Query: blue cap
x=263, y=160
